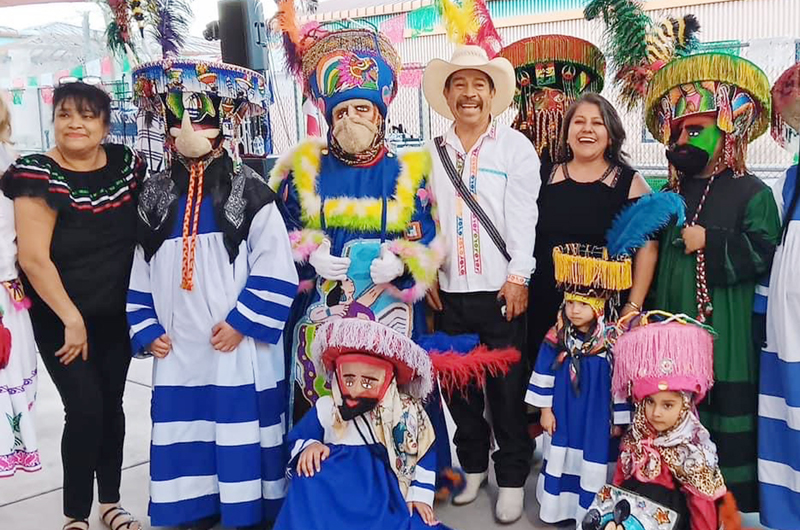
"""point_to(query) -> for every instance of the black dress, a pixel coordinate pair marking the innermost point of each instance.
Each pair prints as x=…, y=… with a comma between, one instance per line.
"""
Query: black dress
x=569, y=212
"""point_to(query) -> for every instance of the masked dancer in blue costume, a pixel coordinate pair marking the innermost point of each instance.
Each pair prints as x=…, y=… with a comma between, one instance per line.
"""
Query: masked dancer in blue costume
x=359, y=215
x=211, y=288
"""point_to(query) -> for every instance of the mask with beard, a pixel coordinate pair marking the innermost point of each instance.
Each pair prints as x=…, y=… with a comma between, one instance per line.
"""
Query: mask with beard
x=688, y=159
x=356, y=140
x=362, y=380
x=692, y=157
x=355, y=134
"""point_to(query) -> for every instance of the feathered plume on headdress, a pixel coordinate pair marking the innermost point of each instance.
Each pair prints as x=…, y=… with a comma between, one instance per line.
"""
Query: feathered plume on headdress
x=170, y=24
x=118, y=34
x=469, y=22
x=296, y=40
x=639, y=48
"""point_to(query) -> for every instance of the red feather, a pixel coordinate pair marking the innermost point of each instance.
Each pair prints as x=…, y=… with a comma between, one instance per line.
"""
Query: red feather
x=487, y=37
x=457, y=371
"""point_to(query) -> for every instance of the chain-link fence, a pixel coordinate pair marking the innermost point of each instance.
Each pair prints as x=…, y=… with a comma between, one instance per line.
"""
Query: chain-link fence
x=411, y=122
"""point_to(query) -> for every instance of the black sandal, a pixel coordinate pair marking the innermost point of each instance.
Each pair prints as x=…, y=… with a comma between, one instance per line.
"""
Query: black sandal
x=120, y=512
x=71, y=525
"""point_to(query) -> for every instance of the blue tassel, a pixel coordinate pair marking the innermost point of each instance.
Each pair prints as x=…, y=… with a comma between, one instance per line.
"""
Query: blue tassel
x=636, y=223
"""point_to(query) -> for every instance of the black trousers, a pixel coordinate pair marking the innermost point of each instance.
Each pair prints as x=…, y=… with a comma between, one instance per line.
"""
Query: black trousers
x=479, y=313
x=91, y=392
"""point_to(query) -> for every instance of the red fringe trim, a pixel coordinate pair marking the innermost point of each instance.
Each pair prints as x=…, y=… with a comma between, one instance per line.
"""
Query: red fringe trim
x=457, y=371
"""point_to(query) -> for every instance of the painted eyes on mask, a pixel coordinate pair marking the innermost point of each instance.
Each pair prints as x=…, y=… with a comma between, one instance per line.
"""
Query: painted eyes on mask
x=359, y=108
x=367, y=383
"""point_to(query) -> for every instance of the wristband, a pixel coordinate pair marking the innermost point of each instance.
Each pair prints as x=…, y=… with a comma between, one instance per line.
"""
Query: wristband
x=518, y=280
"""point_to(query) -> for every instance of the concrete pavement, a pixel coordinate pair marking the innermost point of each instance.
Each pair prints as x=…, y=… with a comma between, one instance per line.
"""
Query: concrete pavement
x=33, y=501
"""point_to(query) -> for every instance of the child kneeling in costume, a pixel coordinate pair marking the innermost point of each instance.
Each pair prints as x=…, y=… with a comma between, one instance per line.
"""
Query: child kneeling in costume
x=665, y=363
x=363, y=456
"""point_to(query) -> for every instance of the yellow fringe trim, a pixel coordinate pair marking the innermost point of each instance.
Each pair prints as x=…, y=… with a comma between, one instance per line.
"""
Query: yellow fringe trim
x=362, y=214
x=585, y=271
x=711, y=67
x=597, y=304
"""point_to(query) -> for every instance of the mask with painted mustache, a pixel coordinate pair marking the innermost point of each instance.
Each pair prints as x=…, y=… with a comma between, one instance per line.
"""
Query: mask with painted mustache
x=361, y=406
x=688, y=159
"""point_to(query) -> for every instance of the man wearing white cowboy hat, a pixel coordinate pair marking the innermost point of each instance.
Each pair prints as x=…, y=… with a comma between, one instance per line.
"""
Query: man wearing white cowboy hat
x=485, y=180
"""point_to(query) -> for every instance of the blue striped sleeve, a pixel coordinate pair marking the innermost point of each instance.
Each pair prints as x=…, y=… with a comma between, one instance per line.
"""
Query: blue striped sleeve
x=423, y=486
x=140, y=308
x=623, y=412
x=263, y=306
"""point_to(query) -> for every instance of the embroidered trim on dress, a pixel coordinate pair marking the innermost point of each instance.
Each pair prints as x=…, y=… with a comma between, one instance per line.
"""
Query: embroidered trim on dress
x=19, y=460
x=11, y=390
x=113, y=196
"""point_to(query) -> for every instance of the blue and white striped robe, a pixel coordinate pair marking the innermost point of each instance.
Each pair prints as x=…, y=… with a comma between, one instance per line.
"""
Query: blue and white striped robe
x=218, y=440
x=779, y=390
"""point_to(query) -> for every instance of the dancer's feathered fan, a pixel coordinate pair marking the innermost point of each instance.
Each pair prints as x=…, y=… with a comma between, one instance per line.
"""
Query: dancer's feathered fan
x=635, y=224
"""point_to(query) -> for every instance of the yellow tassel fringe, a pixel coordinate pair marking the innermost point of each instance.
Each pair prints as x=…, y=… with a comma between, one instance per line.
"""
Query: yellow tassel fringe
x=596, y=273
x=719, y=67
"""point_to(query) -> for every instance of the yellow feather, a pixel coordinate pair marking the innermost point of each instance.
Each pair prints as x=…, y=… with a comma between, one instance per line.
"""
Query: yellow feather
x=460, y=21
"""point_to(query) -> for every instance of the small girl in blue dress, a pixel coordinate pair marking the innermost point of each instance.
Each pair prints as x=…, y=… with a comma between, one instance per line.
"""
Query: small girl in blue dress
x=571, y=381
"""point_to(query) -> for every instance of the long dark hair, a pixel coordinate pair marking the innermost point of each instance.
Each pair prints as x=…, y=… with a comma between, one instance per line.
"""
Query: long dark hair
x=616, y=132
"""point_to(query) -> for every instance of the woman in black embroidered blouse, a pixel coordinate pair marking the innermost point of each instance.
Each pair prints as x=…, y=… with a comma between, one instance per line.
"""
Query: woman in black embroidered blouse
x=75, y=210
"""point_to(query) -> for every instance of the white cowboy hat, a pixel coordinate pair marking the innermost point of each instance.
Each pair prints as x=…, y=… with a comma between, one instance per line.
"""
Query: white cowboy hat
x=469, y=57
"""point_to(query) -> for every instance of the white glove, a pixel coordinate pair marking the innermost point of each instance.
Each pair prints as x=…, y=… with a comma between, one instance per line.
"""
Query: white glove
x=328, y=266
x=387, y=267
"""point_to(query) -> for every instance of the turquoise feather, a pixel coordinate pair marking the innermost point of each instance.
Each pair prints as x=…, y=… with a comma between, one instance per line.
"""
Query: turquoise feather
x=634, y=225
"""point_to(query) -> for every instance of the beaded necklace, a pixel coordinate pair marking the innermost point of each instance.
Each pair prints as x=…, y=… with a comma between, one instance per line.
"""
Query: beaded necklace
x=703, y=297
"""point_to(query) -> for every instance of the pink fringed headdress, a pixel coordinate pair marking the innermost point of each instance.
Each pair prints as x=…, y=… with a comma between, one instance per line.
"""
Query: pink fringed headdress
x=673, y=354
x=457, y=361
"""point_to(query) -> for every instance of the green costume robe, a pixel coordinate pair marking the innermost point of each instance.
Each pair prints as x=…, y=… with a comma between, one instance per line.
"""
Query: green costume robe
x=742, y=229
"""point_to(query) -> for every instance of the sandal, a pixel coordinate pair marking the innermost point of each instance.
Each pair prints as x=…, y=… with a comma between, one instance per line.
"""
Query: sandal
x=125, y=524
x=71, y=525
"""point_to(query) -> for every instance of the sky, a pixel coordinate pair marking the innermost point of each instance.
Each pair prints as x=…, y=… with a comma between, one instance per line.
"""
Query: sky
x=22, y=17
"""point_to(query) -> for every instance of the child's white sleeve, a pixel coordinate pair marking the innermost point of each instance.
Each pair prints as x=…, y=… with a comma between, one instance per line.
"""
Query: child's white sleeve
x=622, y=412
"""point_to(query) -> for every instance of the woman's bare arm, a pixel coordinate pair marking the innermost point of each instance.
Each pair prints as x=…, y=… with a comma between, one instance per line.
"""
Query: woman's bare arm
x=35, y=222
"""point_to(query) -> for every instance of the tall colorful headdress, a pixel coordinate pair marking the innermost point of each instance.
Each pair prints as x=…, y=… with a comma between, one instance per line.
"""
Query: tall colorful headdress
x=786, y=109
x=639, y=47
x=592, y=274
x=733, y=89
x=351, y=64
x=230, y=93
x=337, y=65
x=658, y=352
x=552, y=71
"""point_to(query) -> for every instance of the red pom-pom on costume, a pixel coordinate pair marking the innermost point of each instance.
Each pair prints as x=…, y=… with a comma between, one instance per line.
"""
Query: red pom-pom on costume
x=5, y=345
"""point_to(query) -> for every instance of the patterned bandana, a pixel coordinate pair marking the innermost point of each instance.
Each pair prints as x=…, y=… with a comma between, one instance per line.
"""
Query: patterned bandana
x=573, y=348
x=686, y=449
